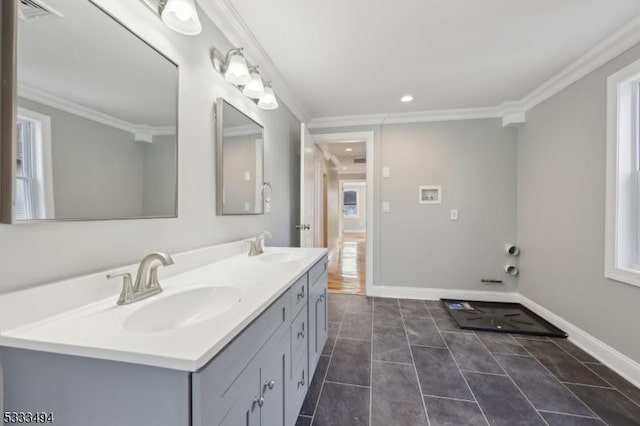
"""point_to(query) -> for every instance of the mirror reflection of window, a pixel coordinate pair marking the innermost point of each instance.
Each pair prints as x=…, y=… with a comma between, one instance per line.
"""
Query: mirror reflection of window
x=34, y=183
x=350, y=204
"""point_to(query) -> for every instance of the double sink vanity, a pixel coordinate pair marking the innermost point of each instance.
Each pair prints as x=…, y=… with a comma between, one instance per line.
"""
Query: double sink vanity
x=231, y=339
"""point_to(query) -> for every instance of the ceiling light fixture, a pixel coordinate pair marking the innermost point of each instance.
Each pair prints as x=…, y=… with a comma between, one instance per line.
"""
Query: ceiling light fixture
x=348, y=149
x=244, y=76
x=406, y=98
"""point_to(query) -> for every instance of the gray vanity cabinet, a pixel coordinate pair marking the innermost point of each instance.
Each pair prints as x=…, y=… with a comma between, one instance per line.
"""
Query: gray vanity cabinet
x=262, y=376
x=259, y=379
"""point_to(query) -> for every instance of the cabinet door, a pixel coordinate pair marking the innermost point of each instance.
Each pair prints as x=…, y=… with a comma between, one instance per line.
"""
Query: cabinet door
x=323, y=324
x=274, y=375
x=244, y=400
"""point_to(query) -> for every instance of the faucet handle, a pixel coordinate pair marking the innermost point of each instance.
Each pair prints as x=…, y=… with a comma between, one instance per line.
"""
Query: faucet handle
x=126, y=295
x=126, y=275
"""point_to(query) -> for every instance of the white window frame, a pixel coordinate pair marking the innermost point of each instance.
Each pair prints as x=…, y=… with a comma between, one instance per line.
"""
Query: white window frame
x=622, y=227
x=43, y=168
x=357, y=205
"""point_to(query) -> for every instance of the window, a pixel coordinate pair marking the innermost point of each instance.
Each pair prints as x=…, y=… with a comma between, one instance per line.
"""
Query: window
x=350, y=204
x=34, y=186
x=622, y=248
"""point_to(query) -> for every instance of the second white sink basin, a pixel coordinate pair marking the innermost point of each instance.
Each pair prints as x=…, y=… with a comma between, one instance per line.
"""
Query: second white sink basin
x=281, y=256
x=182, y=309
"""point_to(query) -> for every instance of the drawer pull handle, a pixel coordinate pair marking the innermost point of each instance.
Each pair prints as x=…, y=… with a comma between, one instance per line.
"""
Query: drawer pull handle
x=301, y=382
x=300, y=334
x=259, y=401
x=270, y=384
x=301, y=294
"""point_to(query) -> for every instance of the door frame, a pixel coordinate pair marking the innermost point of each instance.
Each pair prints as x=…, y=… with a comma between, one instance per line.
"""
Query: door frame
x=368, y=138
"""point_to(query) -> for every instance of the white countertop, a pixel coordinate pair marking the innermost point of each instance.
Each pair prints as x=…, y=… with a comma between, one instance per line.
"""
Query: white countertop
x=96, y=330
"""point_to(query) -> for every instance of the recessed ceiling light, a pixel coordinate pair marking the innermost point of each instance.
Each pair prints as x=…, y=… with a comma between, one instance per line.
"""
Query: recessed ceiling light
x=406, y=98
x=344, y=168
x=348, y=149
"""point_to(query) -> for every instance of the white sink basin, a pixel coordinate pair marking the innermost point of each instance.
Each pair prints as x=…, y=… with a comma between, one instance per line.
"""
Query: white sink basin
x=281, y=256
x=182, y=309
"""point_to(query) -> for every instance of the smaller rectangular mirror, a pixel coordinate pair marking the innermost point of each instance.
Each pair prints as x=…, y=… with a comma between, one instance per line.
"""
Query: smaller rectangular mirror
x=239, y=162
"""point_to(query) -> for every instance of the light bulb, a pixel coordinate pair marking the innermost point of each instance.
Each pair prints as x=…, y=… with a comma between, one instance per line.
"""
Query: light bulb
x=182, y=17
x=268, y=101
x=255, y=88
x=237, y=71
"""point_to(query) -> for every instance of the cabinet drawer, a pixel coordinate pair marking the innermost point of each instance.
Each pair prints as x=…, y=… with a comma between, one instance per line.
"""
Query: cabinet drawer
x=317, y=270
x=299, y=336
x=299, y=294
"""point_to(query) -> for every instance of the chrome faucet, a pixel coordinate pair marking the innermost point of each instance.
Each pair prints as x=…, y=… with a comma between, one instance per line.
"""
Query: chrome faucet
x=146, y=284
x=256, y=245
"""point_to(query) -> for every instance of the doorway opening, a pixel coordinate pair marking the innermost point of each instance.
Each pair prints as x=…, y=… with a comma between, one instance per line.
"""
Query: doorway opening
x=345, y=203
x=328, y=161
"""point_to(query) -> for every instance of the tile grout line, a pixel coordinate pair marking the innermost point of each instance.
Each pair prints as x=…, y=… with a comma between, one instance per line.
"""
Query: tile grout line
x=463, y=378
x=572, y=415
x=346, y=384
x=315, y=408
x=609, y=383
x=514, y=382
x=530, y=354
x=415, y=369
x=449, y=398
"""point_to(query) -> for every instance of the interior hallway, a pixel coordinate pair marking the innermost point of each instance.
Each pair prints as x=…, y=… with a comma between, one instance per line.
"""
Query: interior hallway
x=347, y=267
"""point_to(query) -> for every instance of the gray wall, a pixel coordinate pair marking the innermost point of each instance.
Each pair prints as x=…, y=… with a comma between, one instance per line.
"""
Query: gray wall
x=475, y=162
x=97, y=169
x=561, y=207
x=160, y=178
x=94, y=246
x=333, y=206
x=417, y=245
x=239, y=157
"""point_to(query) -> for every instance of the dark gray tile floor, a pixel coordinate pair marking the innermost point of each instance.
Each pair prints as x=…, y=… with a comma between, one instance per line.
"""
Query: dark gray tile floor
x=398, y=362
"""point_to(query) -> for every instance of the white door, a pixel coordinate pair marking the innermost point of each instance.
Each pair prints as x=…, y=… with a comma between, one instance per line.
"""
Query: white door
x=307, y=188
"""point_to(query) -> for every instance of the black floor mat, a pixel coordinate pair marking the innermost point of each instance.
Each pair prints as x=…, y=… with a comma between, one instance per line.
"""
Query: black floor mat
x=501, y=317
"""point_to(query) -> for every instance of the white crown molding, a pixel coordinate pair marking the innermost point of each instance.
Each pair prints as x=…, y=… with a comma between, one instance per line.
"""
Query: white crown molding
x=512, y=112
x=44, y=98
x=617, y=43
x=230, y=23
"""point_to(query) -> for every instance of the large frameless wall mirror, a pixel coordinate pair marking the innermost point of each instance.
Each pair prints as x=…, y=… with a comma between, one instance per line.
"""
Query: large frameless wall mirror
x=240, y=162
x=89, y=118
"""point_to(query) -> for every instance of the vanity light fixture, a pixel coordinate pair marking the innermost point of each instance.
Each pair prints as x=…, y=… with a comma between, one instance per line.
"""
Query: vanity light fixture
x=236, y=68
x=179, y=15
x=182, y=17
x=268, y=101
x=255, y=88
x=238, y=71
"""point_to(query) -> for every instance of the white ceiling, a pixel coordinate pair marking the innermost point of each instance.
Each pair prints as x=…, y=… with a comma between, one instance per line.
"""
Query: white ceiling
x=360, y=56
x=345, y=158
x=91, y=60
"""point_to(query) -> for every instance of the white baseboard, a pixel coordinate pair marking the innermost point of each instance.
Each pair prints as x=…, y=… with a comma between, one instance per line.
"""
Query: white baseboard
x=618, y=362
x=441, y=293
